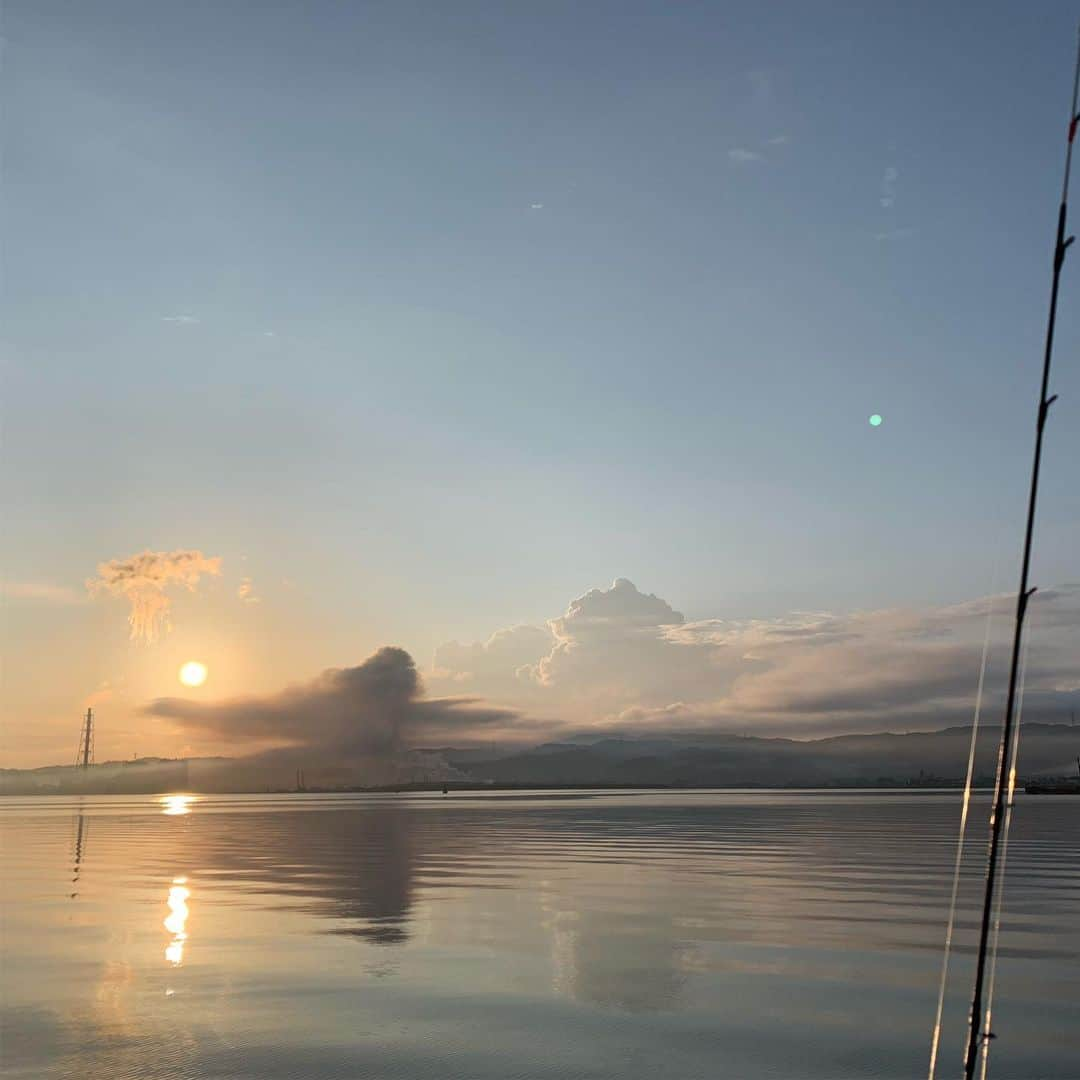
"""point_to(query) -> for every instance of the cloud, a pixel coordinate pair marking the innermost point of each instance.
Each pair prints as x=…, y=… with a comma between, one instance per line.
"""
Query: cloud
x=607, y=650
x=886, y=669
x=602, y=625
x=246, y=592
x=143, y=580
x=41, y=592
x=185, y=319
x=536, y=206
x=741, y=156
x=779, y=140
x=624, y=660
x=504, y=661
x=892, y=234
x=105, y=692
x=887, y=195
x=376, y=709
x=619, y=660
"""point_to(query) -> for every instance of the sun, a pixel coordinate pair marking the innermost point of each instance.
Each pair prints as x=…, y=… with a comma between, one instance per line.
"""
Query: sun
x=193, y=673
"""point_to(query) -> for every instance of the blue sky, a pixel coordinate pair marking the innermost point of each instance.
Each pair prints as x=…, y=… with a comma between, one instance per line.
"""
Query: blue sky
x=445, y=313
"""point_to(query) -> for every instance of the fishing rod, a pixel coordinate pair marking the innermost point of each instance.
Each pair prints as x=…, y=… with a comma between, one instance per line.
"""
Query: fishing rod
x=1003, y=781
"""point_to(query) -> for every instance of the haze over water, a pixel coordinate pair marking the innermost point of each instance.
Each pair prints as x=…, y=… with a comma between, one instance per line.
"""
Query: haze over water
x=743, y=935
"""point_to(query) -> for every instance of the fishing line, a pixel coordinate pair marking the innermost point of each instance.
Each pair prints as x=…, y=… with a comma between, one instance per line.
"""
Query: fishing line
x=936, y=1040
x=991, y=978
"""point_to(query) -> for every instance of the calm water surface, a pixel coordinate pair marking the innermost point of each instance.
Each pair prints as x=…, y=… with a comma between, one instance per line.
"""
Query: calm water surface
x=590, y=935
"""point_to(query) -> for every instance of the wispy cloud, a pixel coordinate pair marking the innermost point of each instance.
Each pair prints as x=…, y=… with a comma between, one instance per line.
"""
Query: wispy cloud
x=246, y=592
x=105, y=692
x=182, y=318
x=143, y=580
x=887, y=195
x=779, y=140
x=891, y=234
x=41, y=592
x=741, y=156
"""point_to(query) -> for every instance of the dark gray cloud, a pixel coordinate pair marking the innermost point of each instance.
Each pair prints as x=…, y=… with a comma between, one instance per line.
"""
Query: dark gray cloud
x=375, y=709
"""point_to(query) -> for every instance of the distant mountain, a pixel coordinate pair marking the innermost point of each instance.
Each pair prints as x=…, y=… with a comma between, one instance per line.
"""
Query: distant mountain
x=1046, y=750
x=733, y=761
x=277, y=770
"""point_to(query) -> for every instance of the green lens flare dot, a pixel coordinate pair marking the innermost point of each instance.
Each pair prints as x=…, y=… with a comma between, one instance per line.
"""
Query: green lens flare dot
x=875, y=420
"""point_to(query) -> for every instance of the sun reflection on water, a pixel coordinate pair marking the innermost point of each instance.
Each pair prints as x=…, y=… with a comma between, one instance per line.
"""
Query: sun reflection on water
x=176, y=920
x=176, y=804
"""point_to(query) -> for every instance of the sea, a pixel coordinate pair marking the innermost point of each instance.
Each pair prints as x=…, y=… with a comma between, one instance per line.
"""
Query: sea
x=525, y=936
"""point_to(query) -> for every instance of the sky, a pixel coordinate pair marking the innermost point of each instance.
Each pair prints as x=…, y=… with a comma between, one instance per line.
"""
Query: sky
x=410, y=324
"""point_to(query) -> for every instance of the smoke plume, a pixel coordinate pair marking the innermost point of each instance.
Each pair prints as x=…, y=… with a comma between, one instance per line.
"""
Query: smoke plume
x=144, y=579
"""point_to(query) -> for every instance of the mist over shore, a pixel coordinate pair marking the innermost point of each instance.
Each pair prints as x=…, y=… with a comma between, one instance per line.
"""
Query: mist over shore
x=614, y=760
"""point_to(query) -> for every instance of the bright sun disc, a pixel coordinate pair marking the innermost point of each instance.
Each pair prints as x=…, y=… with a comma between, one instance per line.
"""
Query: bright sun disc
x=193, y=673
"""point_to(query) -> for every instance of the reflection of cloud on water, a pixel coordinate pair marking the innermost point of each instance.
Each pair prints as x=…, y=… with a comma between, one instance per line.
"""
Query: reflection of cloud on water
x=354, y=865
x=25, y=1032
x=562, y=931
x=371, y=887
x=113, y=1013
x=637, y=963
